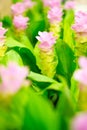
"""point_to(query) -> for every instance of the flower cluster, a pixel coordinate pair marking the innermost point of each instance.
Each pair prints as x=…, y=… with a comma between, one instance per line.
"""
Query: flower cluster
x=47, y=40
x=20, y=22
x=21, y=7
x=12, y=78
x=18, y=9
x=79, y=122
x=80, y=25
x=51, y=3
x=70, y=5
x=55, y=15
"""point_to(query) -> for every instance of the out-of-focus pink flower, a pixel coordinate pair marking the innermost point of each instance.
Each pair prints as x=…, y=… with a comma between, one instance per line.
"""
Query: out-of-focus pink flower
x=2, y=33
x=79, y=122
x=28, y=4
x=55, y=15
x=81, y=74
x=20, y=22
x=18, y=8
x=12, y=78
x=52, y=3
x=70, y=5
x=47, y=40
x=80, y=25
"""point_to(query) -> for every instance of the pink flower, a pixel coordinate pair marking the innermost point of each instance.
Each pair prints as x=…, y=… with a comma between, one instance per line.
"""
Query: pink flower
x=80, y=25
x=81, y=74
x=79, y=122
x=55, y=15
x=20, y=22
x=12, y=78
x=2, y=33
x=47, y=40
x=18, y=8
x=70, y=5
x=52, y=3
x=28, y=4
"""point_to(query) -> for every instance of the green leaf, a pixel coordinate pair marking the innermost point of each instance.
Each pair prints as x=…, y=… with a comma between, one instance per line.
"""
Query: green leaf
x=68, y=33
x=66, y=64
x=40, y=78
x=43, y=83
x=11, y=56
x=25, y=53
x=10, y=42
x=24, y=40
x=28, y=58
x=39, y=114
x=66, y=104
x=34, y=28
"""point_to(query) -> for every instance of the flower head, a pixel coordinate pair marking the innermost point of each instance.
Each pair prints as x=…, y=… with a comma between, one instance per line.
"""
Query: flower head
x=47, y=40
x=20, y=22
x=2, y=33
x=55, y=15
x=12, y=78
x=18, y=8
x=81, y=74
x=80, y=25
x=70, y=5
x=79, y=122
x=52, y=3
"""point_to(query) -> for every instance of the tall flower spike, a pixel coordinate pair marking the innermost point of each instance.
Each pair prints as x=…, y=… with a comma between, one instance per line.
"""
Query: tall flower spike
x=79, y=122
x=55, y=17
x=13, y=77
x=20, y=22
x=18, y=8
x=47, y=53
x=80, y=28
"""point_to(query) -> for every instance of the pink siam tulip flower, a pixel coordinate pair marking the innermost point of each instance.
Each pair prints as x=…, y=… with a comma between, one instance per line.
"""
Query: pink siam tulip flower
x=55, y=15
x=12, y=78
x=28, y=4
x=70, y=5
x=80, y=25
x=20, y=22
x=47, y=40
x=79, y=122
x=2, y=33
x=81, y=74
x=18, y=8
x=52, y=3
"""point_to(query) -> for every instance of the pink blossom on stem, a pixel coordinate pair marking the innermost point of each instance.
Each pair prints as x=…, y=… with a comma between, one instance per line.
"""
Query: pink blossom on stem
x=2, y=33
x=47, y=40
x=81, y=74
x=69, y=5
x=80, y=25
x=18, y=8
x=79, y=122
x=20, y=22
x=12, y=78
x=28, y=4
x=55, y=15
